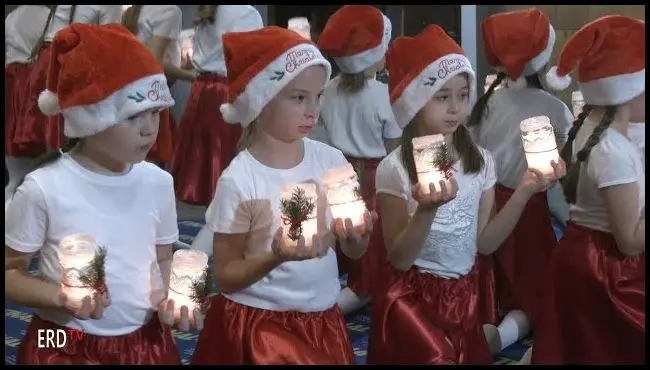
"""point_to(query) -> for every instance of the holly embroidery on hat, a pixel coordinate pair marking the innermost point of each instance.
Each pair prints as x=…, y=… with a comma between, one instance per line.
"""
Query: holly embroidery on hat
x=430, y=81
x=277, y=76
x=138, y=98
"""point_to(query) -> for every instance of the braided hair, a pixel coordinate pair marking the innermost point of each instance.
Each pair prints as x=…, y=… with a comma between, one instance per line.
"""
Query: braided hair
x=570, y=181
x=480, y=108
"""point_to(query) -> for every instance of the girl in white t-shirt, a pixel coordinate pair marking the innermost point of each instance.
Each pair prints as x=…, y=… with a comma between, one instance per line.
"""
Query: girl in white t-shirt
x=37, y=133
x=358, y=120
x=159, y=28
x=428, y=313
x=207, y=144
x=594, y=310
x=23, y=27
x=278, y=302
x=519, y=45
x=98, y=187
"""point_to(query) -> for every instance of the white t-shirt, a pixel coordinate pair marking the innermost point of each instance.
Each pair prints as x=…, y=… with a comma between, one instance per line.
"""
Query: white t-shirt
x=500, y=134
x=208, y=47
x=357, y=124
x=162, y=21
x=247, y=200
x=615, y=160
x=450, y=248
x=129, y=215
x=636, y=132
x=23, y=28
x=88, y=14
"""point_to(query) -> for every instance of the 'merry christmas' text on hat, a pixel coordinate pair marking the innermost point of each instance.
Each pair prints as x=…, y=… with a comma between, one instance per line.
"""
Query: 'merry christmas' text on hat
x=419, y=66
x=518, y=43
x=609, y=54
x=260, y=63
x=356, y=37
x=99, y=76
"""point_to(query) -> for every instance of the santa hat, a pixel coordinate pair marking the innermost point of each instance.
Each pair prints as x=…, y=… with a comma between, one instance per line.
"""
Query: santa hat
x=609, y=54
x=260, y=63
x=518, y=43
x=356, y=37
x=99, y=76
x=419, y=66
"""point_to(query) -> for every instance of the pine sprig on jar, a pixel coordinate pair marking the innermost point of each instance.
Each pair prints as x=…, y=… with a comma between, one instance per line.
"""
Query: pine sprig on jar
x=295, y=211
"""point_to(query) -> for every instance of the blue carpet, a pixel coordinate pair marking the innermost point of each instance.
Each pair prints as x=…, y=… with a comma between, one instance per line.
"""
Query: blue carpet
x=17, y=319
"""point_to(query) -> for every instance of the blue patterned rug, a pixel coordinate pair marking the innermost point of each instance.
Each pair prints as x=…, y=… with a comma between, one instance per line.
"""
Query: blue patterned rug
x=17, y=319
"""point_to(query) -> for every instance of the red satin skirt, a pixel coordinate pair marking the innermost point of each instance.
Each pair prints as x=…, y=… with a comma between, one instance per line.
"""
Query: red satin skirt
x=423, y=319
x=488, y=308
x=206, y=143
x=593, y=311
x=523, y=258
x=364, y=273
x=16, y=95
x=152, y=344
x=235, y=334
x=36, y=128
x=162, y=150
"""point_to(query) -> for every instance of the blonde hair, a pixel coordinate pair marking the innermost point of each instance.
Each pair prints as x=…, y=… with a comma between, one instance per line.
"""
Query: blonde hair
x=247, y=137
x=352, y=83
x=205, y=14
x=130, y=18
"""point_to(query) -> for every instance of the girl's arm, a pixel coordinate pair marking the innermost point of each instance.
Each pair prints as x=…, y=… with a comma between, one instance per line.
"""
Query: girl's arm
x=494, y=228
x=232, y=271
x=157, y=46
x=628, y=227
x=404, y=236
x=24, y=289
x=165, y=255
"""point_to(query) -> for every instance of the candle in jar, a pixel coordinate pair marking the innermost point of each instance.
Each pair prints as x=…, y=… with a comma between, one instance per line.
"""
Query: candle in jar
x=425, y=151
x=303, y=195
x=344, y=194
x=577, y=102
x=188, y=267
x=301, y=26
x=539, y=144
x=76, y=254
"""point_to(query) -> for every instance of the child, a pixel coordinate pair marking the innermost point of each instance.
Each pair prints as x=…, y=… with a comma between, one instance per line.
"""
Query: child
x=518, y=44
x=98, y=186
x=278, y=304
x=428, y=314
x=23, y=27
x=358, y=120
x=36, y=130
x=206, y=144
x=595, y=309
x=159, y=28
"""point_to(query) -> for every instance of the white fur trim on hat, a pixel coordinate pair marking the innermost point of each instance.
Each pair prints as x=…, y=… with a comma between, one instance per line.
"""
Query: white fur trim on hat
x=269, y=81
x=419, y=91
x=537, y=63
x=359, y=62
x=146, y=93
x=556, y=82
x=48, y=103
x=614, y=90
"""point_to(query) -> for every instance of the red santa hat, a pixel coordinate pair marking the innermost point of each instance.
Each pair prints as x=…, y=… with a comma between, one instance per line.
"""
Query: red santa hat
x=519, y=43
x=99, y=76
x=356, y=37
x=609, y=54
x=260, y=63
x=419, y=66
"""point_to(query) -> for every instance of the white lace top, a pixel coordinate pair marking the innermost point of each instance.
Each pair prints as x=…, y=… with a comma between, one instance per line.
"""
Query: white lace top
x=450, y=247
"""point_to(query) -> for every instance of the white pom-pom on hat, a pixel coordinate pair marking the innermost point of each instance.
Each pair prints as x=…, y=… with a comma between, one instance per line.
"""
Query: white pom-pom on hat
x=556, y=82
x=48, y=103
x=229, y=113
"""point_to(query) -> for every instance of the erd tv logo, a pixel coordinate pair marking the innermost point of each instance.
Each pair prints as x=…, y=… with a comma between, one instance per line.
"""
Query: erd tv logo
x=57, y=338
